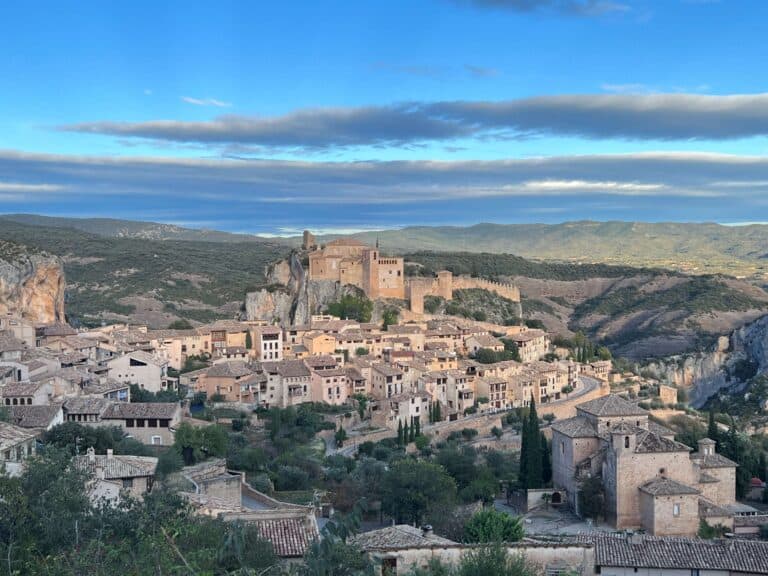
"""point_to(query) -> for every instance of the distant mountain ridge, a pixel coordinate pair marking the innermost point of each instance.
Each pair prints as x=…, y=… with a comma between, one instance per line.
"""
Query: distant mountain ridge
x=117, y=228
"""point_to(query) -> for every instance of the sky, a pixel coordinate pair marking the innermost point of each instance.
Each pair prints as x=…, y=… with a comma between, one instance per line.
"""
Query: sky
x=270, y=118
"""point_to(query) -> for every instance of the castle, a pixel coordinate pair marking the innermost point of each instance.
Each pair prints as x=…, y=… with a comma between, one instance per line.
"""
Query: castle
x=349, y=261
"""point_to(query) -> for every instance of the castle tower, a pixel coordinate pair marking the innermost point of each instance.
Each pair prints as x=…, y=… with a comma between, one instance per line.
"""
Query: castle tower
x=371, y=273
x=416, y=290
x=445, y=284
x=308, y=241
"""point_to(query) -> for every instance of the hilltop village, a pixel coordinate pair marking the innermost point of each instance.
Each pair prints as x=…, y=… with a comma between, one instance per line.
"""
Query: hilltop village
x=283, y=426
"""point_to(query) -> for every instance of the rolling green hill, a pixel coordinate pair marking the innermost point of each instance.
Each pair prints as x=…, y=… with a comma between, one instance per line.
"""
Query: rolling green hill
x=152, y=281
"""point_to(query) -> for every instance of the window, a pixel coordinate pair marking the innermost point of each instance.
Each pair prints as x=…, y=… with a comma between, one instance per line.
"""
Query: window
x=626, y=441
x=676, y=510
x=127, y=482
x=562, y=447
x=140, y=423
x=129, y=423
x=164, y=423
x=152, y=423
x=157, y=440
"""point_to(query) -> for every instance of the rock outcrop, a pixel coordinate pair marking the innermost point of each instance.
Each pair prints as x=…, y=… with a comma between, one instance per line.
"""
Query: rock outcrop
x=31, y=284
x=711, y=372
x=296, y=298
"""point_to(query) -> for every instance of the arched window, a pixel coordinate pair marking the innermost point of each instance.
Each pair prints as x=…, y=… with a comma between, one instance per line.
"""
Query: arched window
x=626, y=441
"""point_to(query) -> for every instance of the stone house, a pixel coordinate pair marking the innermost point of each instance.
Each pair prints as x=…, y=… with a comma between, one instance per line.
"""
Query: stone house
x=650, y=480
x=16, y=445
x=234, y=381
x=36, y=417
x=288, y=383
x=329, y=386
x=145, y=370
x=477, y=342
x=532, y=344
x=402, y=409
x=267, y=342
x=113, y=477
x=27, y=394
x=11, y=347
x=151, y=423
x=386, y=381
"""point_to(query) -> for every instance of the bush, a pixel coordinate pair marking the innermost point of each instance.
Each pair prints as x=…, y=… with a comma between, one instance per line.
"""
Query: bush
x=292, y=478
x=468, y=433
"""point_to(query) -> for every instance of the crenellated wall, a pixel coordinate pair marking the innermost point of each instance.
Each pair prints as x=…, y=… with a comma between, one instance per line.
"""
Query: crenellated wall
x=446, y=283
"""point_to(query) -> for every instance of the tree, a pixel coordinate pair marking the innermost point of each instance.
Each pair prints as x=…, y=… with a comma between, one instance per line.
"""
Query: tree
x=709, y=532
x=333, y=555
x=406, y=434
x=362, y=404
x=400, y=431
x=546, y=460
x=248, y=340
x=340, y=436
x=195, y=444
x=497, y=432
x=493, y=560
x=389, y=317
x=352, y=307
x=491, y=525
x=532, y=452
x=414, y=489
x=180, y=324
x=591, y=498
x=361, y=351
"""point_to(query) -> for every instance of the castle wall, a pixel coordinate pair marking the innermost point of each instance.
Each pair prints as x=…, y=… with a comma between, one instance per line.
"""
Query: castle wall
x=390, y=280
x=509, y=291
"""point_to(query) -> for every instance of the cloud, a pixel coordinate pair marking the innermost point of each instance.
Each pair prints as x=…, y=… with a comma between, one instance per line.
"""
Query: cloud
x=23, y=188
x=572, y=7
x=206, y=102
x=600, y=116
x=481, y=71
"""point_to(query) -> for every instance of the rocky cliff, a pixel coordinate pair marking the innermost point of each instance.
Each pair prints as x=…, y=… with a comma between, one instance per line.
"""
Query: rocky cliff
x=31, y=284
x=292, y=298
x=727, y=367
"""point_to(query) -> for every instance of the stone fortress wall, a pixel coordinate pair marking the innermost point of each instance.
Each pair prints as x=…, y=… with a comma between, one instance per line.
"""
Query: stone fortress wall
x=446, y=283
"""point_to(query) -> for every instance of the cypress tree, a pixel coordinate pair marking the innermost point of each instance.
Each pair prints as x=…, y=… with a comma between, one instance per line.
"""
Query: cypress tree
x=523, y=474
x=438, y=416
x=412, y=431
x=405, y=434
x=399, y=432
x=546, y=460
x=417, y=422
x=534, y=468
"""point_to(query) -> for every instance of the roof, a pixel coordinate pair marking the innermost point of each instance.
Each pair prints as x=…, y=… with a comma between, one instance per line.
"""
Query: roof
x=11, y=435
x=578, y=427
x=667, y=487
x=86, y=405
x=322, y=360
x=713, y=461
x=21, y=389
x=394, y=537
x=734, y=555
x=611, y=405
x=648, y=442
x=33, y=416
x=290, y=537
x=9, y=343
x=288, y=368
x=116, y=466
x=709, y=509
x=119, y=410
x=236, y=369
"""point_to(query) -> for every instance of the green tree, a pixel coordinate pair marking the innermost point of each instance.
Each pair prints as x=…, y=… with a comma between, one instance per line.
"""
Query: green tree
x=491, y=525
x=493, y=560
x=352, y=307
x=414, y=489
x=195, y=444
x=532, y=452
x=389, y=317
x=546, y=460
x=400, y=431
x=340, y=436
x=248, y=340
x=417, y=427
x=591, y=498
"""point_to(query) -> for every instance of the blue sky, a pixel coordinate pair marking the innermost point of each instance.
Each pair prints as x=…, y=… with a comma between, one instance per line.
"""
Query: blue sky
x=269, y=118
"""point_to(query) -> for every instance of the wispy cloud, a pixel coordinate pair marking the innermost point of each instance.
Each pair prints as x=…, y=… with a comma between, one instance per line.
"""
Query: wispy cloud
x=597, y=116
x=206, y=102
x=570, y=7
x=19, y=187
x=481, y=71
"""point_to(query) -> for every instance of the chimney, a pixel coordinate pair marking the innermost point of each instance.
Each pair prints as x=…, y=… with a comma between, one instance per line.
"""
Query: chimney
x=635, y=537
x=109, y=453
x=426, y=530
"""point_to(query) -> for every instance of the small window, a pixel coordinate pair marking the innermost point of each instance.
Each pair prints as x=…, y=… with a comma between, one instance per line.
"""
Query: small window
x=675, y=510
x=662, y=471
x=127, y=482
x=140, y=423
x=626, y=441
x=157, y=440
x=562, y=447
x=152, y=423
x=129, y=423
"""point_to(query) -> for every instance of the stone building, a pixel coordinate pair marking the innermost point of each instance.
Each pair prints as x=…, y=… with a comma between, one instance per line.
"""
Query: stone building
x=349, y=261
x=650, y=480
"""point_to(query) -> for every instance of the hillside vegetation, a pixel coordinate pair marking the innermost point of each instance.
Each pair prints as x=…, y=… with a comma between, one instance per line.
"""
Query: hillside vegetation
x=150, y=281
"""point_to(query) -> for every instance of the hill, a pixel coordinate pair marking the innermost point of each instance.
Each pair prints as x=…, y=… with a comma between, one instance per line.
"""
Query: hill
x=700, y=248
x=149, y=281
x=115, y=228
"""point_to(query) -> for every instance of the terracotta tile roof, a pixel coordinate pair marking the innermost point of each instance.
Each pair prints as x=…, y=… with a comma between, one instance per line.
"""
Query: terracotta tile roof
x=713, y=461
x=709, y=509
x=290, y=537
x=578, y=427
x=11, y=435
x=235, y=369
x=9, y=343
x=319, y=361
x=116, y=467
x=86, y=405
x=33, y=416
x=120, y=410
x=648, y=442
x=395, y=537
x=667, y=487
x=611, y=405
x=745, y=556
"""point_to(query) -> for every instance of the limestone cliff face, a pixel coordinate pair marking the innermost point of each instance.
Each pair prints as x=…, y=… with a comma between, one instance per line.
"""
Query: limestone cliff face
x=31, y=284
x=298, y=300
x=708, y=373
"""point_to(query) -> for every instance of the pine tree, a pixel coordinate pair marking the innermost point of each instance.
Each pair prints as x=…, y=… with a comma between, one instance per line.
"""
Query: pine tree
x=399, y=432
x=712, y=431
